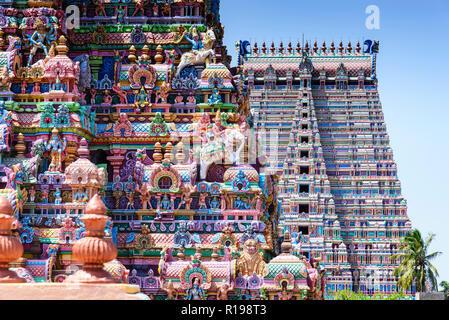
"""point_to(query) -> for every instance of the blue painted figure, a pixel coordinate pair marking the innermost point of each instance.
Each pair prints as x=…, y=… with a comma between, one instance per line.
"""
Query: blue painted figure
x=240, y=204
x=196, y=292
x=215, y=98
x=195, y=41
x=58, y=198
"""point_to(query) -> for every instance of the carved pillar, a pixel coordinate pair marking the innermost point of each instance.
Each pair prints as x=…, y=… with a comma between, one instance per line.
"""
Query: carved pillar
x=20, y=146
x=116, y=160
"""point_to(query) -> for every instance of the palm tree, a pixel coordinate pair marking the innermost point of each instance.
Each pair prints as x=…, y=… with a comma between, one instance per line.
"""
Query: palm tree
x=445, y=286
x=415, y=262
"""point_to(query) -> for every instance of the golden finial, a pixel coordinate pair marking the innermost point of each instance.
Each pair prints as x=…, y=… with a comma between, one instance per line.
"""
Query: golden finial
x=323, y=48
x=341, y=49
x=281, y=48
x=298, y=48
x=62, y=47
x=168, y=155
x=159, y=57
x=255, y=49
x=180, y=153
x=290, y=49
x=307, y=47
x=132, y=54
x=332, y=47
x=358, y=47
x=349, y=49
x=264, y=48
x=315, y=47
x=272, y=49
x=145, y=53
x=157, y=155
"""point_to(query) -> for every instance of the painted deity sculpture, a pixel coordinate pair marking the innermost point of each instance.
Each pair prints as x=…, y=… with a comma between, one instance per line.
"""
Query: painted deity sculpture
x=130, y=198
x=201, y=50
x=56, y=146
x=58, y=198
x=172, y=292
x=215, y=98
x=32, y=194
x=241, y=204
x=251, y=260
x=140, y=7
x=195, y=292
x=5, y=79
x=202, y=201
x=165, y=204
x=221, y=144
x=41, y=39
x=44, y=196
x=99, y=8
x=223, y=290
x=121, y=14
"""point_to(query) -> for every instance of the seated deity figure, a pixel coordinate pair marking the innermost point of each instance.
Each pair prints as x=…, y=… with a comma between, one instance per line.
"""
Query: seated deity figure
x=166, y=203
x=241, y=204
x=195, y=292
x=214, y=204
x=251, y=260
x=56, y=146
x=215, y=98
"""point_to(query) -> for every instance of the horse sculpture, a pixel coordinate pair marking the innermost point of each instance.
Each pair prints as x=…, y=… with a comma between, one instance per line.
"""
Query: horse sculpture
x=200, y=56
x=230, y=150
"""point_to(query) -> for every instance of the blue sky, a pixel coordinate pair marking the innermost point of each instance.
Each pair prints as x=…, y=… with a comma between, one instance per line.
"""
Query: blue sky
x=412, y=68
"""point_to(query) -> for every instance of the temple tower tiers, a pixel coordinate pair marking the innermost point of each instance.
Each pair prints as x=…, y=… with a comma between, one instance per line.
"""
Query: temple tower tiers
x=335, y=166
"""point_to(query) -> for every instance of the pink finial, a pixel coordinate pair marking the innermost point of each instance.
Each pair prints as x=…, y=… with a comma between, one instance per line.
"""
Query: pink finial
x=83, y=150
x=93, y=250
x=10, y=247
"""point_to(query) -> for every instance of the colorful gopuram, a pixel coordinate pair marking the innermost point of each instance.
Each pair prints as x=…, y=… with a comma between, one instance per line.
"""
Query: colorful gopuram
x=131, y=133
x=318, y=115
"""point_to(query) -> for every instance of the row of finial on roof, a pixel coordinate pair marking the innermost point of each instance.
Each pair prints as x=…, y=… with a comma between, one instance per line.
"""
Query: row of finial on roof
x=341, y=49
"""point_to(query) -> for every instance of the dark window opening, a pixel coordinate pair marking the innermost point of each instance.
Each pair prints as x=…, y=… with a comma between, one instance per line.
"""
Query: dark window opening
x=303, y=208
x=304, y=154
x=304, y=188
x=304, y=139
x=304, y=170
x=165, y=183
x=305, y=115
x=305, y=126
